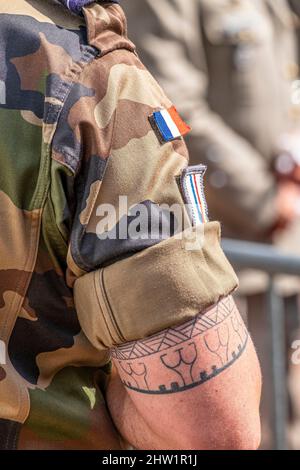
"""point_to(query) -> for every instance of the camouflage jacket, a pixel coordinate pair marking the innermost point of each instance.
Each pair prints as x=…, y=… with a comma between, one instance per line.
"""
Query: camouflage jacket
x=75, y=103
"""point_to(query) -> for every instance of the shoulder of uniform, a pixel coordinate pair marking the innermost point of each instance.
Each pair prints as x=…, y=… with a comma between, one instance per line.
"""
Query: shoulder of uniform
x=107, y=27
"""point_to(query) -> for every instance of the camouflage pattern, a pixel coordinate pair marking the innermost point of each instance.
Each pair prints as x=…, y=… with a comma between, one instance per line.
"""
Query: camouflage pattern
x=74, y=106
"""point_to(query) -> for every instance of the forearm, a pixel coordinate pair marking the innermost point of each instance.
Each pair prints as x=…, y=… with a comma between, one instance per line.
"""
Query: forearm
x=129, y=421
x=194, y=386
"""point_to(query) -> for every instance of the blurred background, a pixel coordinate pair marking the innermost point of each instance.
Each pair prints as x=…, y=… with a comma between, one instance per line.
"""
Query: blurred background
x=232, y=68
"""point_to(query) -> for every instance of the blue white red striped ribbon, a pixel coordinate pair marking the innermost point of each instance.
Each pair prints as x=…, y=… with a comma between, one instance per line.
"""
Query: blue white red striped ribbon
x=192, y=184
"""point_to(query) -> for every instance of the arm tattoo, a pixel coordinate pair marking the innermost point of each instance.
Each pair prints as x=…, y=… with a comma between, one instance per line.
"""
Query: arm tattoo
x=185, y=356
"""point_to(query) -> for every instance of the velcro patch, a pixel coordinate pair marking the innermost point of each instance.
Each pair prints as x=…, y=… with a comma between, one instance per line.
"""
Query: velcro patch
x=192, y=188
x=168, y=125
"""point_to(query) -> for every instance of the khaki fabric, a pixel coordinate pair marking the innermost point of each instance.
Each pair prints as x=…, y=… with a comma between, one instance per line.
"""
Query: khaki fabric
x=126, y=302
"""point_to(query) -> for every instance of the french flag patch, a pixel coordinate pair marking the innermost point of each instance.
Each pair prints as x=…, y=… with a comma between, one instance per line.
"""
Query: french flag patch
x=168, y=125
x=192, y=188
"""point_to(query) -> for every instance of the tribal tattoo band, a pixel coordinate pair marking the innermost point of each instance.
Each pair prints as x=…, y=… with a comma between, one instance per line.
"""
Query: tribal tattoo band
x=185, y=356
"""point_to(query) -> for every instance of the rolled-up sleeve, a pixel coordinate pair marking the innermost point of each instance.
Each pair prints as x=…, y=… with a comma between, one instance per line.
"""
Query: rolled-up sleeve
x=126, y=287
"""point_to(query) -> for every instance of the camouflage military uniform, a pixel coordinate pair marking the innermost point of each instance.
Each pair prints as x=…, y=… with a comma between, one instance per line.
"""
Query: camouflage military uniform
x=74, y=108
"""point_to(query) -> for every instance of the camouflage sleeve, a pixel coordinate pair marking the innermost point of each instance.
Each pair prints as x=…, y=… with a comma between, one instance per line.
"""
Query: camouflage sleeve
x=169, y=39
x=139, y=260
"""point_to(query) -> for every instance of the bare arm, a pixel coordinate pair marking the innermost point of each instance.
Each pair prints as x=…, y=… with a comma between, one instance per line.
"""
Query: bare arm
x=196, y=386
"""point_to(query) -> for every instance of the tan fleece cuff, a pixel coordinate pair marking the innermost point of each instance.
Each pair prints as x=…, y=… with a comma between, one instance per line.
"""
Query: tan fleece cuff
x=160, y=287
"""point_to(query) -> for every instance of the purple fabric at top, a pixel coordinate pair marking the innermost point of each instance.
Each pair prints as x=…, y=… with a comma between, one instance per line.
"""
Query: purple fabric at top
x=76, y=5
